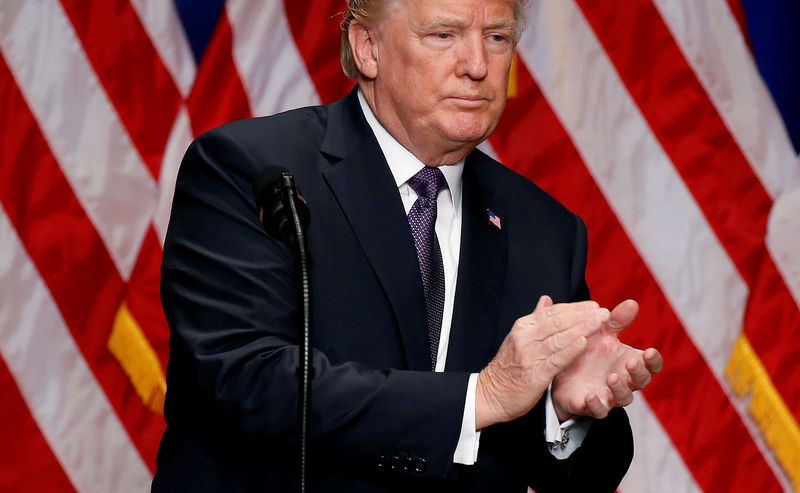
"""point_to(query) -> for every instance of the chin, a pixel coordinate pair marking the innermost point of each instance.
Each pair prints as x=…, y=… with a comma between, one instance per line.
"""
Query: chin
x=467, y=128
x=469, y=136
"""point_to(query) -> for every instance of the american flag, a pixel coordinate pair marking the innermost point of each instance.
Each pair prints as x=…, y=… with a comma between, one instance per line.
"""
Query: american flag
x=667, y=125
x=494, y=219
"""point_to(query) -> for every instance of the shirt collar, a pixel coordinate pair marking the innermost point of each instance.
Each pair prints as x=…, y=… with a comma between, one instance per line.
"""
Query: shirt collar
x=402, y=163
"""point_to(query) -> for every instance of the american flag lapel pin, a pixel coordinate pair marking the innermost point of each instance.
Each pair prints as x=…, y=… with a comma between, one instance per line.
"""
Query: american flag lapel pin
x=494, y=219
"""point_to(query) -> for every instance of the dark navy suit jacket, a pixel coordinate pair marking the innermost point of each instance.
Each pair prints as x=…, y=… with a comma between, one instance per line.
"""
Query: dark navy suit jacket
x=381, y=421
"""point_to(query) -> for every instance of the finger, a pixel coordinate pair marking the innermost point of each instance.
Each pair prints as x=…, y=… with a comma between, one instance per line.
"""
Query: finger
x=562, y=358
x=640, y=376
x=526, y=320
x=563, y=339
x=621, y=393
x=653, y=360
x=565, y=318
x=595, y=407
x=577, y=323
x=577, y=306
x=623, y=314
x=562, y=317
x=529, y=319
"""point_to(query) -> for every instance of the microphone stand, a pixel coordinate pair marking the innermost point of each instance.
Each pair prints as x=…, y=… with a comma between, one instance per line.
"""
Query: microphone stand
x=305, y=369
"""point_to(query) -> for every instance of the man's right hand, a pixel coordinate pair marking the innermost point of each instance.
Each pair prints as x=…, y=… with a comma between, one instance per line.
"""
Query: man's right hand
x=538, y=347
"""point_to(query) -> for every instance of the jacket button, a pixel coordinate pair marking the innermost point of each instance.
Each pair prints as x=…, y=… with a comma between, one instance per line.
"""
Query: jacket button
x=381, y=461
x=420, y=465
x=396, y=462
x=408, y=463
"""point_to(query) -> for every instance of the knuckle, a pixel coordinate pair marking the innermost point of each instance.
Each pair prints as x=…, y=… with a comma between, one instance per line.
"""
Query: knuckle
x=599, y=410
x=554, y=362
x=514, y=338
x=556, y=341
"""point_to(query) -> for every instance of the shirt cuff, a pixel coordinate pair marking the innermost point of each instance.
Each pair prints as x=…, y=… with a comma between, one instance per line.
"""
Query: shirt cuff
x=468, y=441
x=563, y=438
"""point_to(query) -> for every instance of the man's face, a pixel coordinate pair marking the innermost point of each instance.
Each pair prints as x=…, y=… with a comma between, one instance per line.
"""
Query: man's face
x=442, y=72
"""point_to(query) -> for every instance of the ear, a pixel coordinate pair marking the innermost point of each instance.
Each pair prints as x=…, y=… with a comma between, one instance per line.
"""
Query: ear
x=365, y=50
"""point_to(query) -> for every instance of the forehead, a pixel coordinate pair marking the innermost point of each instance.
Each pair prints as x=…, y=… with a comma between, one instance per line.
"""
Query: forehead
x=488, y=12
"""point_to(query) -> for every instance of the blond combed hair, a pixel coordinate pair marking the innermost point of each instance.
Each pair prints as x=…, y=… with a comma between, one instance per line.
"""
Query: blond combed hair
x=368, y=12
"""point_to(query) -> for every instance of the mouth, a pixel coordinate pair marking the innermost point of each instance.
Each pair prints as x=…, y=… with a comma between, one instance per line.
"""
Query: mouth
x=468, y=101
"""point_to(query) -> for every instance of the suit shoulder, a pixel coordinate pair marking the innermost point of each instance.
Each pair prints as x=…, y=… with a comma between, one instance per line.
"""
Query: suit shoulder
x=290, y=139
x=293, y=129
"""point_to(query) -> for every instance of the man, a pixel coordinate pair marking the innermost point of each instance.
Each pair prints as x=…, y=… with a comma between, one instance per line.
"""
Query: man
x=427, y=255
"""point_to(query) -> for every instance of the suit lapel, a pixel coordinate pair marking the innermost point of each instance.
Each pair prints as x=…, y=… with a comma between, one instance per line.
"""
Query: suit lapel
x=363, y=185
x=481, y=275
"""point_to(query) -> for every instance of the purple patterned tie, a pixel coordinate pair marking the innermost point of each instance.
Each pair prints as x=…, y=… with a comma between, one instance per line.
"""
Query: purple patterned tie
x=422, y=219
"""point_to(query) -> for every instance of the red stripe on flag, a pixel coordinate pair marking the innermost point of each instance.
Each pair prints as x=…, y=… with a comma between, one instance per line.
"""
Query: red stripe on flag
x=69, y=255
x=712, y=165
x=315, y=26
x=144, y=297
x=26, y=461
x=686, y=397
x=218, y=96
x=138, y=84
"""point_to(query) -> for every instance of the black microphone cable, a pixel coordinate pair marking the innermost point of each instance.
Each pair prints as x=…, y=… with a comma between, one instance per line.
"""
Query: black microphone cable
x=285, y=215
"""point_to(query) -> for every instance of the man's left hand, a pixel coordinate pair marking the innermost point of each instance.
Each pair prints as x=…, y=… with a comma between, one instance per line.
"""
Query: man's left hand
x=607, y=373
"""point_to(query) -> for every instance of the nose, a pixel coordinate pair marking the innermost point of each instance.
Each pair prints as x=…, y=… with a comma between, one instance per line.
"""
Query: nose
x=472, y=57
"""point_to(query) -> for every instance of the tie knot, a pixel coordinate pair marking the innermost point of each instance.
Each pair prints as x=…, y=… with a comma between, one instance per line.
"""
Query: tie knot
x=428, y=182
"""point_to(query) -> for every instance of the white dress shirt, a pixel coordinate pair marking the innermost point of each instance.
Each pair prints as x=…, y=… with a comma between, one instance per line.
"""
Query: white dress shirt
x=562, y=438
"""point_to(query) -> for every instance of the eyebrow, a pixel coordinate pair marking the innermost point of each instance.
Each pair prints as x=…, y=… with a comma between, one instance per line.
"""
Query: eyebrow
x=453, y=23
x=509, y=24
x=439, y=23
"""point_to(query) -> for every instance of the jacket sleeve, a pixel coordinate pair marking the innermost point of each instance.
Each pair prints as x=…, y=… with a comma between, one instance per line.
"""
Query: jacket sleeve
x=603, y=458
x=578, y=285
x=598, y=465
x=231, y=300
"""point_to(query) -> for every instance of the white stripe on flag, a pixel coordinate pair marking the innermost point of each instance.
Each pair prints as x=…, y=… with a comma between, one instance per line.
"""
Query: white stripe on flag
x=83, y=130
x=179, y=139
x=272, y=71
x=783, y=237
x=60, y=390
x=161, y=21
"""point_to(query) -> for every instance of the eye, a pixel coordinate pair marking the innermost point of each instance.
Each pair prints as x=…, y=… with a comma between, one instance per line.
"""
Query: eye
x=439, y=40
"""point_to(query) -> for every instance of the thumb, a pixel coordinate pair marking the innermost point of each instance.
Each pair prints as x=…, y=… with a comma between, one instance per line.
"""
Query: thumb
x=544, y=302
x=623, y=315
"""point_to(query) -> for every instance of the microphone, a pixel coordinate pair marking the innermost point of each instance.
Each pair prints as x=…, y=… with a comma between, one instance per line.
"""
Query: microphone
x=286, y=218
x=275, y=190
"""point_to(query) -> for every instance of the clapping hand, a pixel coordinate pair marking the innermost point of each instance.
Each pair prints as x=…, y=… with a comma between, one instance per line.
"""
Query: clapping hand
x=539, y=346
x=607, y=372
